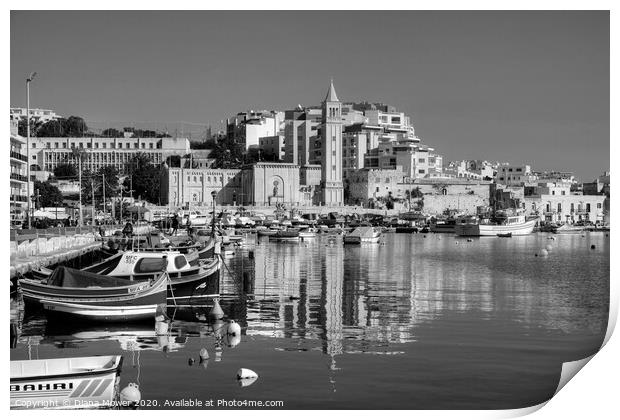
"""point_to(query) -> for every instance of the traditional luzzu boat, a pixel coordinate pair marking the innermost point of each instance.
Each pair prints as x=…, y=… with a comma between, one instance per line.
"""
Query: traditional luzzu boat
x=363, y=234
x=77, y=382
x=285, y=236
x=187, y=282
x=96, y=297
x=515, y=224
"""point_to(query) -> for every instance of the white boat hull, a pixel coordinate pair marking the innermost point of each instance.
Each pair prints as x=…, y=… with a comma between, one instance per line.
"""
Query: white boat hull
x=82, y=382
x=101, y=313
x=471, y=229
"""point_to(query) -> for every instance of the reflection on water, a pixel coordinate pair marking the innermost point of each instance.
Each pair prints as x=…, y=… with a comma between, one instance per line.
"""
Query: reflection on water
x=415, y=322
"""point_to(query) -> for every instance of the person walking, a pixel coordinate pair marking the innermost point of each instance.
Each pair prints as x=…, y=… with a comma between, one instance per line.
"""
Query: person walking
x=175, y=225
x=189, y=227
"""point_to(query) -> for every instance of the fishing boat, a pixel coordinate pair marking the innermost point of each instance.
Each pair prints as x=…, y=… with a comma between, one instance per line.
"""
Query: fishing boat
x=186, y=281
x=569, y=229
x=96, y=297
x=285, y=236
x=75, y=382
x=203, y=248
x=515, y=224
x=363, y=234
x=266, y=231
x=443, y=226
x=307, y=232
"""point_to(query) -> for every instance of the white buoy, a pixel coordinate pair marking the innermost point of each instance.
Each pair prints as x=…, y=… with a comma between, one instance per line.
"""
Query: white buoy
x=131, y=394
x=246, y=382
x=233, y=328
x=232, y=341
x=549, y=248
x=544, y=252
x=244, y=373
x=204, y=354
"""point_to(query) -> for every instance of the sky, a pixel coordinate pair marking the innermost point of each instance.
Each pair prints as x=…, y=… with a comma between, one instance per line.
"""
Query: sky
x=513, y=86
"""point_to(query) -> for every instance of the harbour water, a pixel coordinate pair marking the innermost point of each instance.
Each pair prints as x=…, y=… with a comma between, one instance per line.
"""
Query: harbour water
x=416, y=322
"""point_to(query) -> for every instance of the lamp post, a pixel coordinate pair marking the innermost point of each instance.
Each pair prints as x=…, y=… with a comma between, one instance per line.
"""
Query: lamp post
x=28, y=80
x=213, y=195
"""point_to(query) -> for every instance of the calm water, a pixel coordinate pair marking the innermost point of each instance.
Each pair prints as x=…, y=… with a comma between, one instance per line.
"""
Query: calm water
x=414, y=323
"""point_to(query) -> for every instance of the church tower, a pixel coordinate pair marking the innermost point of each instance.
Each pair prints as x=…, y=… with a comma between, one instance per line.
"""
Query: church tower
x=331, y=149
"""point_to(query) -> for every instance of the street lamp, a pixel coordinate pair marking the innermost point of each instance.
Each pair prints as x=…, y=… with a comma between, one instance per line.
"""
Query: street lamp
x=213, y=195
x=28, y=80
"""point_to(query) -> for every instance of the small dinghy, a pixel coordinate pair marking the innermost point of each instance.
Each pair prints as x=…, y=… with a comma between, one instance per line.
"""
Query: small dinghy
x=75, y=382
x=504, y=235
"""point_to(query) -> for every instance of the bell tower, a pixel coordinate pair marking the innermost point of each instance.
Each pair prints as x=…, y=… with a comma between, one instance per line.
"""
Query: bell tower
x=331, y=149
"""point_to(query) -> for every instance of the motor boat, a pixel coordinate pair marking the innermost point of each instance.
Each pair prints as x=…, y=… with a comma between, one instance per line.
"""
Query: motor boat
x=363, y=234
x=74, y=382
x=515, y=224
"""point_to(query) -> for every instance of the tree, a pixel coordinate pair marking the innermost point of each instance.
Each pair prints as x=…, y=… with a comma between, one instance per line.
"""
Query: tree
x=34, y=127
x=144, y=178
x=65, y=170
x=112, y=132
x=75, y=127
x=48, y=195
x=110, y=174
x=228, y=154
x=52, y=128
x=173, y=161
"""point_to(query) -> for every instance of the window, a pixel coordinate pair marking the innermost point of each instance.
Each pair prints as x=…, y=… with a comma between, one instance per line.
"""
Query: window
x=421, y=160
x=180, y=261
x=89, y=145
x=127, y=145
x=81, y=145
x=421, y=171
x=553, y=192
x=104, y=145
x=572, y=207
x=588, y=207
x=120, y=145
x=150, y=265
x=96, y=145
x=64, y=145
x=136, y=145
x=510, y=170
x=72, y=144
x=599, y=205
x=559, y=207
x=143, y=145
x=518, y=169
x=49, y=145
x=56, y=145
x=150, y=145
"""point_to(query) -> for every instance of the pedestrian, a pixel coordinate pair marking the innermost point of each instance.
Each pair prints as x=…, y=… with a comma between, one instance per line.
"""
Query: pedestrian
x=175, y=225
x=128, y=230
x=189, y=227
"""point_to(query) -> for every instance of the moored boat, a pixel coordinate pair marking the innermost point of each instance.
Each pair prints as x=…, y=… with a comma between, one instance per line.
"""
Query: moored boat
x=285, y=236
x=569, y=229
x=516, y=225
x=76, y=382
x=96, y=297
x=363, y=234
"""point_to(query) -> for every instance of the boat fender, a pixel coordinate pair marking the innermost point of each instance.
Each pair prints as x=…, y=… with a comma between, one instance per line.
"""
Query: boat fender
x=592, y=246
x=131, y=394
x=204, y=354
x=233, y=328
x=191, y=361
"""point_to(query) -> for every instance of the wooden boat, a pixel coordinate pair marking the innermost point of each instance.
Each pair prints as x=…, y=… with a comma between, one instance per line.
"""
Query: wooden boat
x=76, y=382
x=363, y=234
x=504, y=235
x=285, y=236
x=96, y=297
x=513, y=224
x=443, y=226
x=266, y=232
x=187, y=281
x=308, y=232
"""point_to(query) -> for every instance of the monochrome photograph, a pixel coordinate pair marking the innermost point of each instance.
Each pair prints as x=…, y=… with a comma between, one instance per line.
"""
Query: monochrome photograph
x=306, y=209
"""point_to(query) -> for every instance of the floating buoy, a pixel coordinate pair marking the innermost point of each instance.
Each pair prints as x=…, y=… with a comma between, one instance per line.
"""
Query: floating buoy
x=549, y=248
x=216, y=311
x=470, y=240
x=232, y=340
x=204, y=354
x=425, y=236
x=191, y=361
x=544, y=252
x=592, y=246
x=244, y=373
x=131, y=394
x=233, y=328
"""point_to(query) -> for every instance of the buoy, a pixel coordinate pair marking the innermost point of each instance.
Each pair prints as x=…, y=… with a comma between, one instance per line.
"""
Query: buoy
x=204, y=354
x=592, y=246
x=232, y=340
x=246, y=381
x=216, y=311
x=191, y=361
x=131, y=394
x=233, y=328
x=549, y=248
x=425, y=236
x=457, y=242
x=244, y=373
x=543, y=252
x=470, y=240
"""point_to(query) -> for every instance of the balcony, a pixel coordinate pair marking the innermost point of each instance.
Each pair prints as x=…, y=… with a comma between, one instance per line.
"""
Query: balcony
x=19, y=177
x=19, y=198
x=19, y=156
